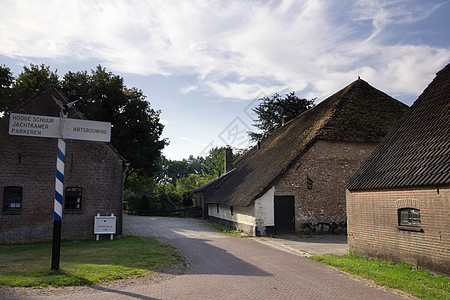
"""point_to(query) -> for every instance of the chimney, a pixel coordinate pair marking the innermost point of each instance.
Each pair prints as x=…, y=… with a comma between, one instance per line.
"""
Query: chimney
x=283, y=118
x=228, y=159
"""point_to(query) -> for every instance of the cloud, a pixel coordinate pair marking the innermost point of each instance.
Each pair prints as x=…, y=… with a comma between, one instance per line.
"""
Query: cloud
x=192, y=141
x=236, y=49
x=186, y=90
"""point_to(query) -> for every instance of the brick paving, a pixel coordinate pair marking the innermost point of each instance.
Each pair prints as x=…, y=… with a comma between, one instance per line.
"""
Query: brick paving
x=226, y=267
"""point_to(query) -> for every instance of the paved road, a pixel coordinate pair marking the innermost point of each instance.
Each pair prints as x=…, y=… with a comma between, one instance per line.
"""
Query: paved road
x=225, y=267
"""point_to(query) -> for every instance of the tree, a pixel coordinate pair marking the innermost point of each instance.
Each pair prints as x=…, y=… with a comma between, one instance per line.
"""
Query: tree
x=136, y=131
x=32, y=79
x=186, y=186
x=273, y=111
x=17, y=91
x=102, y=96
x=6, y=87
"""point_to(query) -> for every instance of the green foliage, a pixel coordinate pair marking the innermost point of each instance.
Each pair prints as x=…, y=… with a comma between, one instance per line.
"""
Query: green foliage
x=174, y=183
x=208, y=167
x=15, y=91
x=85, y=262
x=214, y=163
x=273, y=111
x=32, y=79
x=399, y=276
x=136, y=131
x=228, y=230
x=6, y=84
x=101, y=96
x=186, y=185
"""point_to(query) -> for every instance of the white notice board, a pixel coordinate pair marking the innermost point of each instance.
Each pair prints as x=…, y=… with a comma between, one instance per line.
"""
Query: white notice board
x=105, y=225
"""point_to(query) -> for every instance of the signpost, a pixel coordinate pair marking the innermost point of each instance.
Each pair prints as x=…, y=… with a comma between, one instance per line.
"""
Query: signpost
x=61, y=128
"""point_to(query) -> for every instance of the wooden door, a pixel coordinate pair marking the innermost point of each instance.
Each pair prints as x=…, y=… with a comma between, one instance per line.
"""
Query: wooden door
x=284, y=214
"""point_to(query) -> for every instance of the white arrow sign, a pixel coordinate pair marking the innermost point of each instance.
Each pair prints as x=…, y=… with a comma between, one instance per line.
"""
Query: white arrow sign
x=45, y=126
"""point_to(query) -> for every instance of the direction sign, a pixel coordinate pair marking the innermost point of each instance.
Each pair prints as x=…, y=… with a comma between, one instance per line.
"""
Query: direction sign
x=61, y=128
x=51, y=127
x=77, y=129
x=32, y=125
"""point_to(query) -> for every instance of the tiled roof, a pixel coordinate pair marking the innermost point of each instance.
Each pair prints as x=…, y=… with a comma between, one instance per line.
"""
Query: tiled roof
x=359, y=112
x=417, y=151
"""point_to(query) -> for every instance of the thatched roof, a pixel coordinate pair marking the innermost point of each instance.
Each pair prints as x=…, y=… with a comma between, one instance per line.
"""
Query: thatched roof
x=417, y=151
x=359, y=112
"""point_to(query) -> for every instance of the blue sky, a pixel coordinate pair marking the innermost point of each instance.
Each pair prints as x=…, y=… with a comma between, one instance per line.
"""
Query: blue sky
x=204, y=63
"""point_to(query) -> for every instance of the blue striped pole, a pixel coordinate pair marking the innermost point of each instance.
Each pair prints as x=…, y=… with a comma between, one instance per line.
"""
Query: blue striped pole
x=59, y=183
x=59, y=192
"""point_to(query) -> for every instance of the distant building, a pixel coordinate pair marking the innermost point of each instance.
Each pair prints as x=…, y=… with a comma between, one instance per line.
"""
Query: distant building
x=398, y=202
x=93, y=180
x=295, y=178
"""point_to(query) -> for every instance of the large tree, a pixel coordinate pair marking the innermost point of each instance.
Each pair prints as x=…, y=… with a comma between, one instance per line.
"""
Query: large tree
x=15, y=91
x=101, y=96
x=273, y=111
x=136, y=131
x=6, y=87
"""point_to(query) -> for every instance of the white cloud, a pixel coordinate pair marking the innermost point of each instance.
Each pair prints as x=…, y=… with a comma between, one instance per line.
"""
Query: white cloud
x=192, y=141
x=236, y=49
x=186, y=90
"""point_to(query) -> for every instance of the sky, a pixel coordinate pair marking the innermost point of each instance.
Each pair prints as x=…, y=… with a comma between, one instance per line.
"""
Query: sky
x=205, y=64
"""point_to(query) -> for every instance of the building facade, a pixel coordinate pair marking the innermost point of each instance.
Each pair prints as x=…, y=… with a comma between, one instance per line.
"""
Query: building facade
x=294, y=180
x=398, y=202
x=93, y=180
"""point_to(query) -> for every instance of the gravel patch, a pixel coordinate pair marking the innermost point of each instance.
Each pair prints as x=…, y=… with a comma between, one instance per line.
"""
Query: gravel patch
x=166, y=229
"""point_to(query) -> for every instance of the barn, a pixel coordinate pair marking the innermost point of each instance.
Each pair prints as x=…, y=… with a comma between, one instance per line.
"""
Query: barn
x=398, y=202
x=294, y=179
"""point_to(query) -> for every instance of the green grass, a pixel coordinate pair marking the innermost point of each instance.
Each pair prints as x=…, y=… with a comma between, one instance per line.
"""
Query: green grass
x=398, y=276
x=228, y=230
x=84, y=262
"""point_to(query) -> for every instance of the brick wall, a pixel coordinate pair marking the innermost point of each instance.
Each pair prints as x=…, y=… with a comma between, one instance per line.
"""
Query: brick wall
x=373, y=231
x=318, y=182
x=30, y=163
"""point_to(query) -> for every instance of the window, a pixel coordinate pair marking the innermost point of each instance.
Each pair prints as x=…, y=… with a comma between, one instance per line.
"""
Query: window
x=231, y=210
x=73, y=199
x=217, y=208
x=409, y=219
x=12, y=199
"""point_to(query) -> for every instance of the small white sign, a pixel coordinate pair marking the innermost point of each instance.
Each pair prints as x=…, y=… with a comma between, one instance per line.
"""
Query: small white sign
x=105, y=225
x=51, y=127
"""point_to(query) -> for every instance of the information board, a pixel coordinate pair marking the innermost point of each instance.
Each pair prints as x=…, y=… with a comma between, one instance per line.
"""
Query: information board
x=105, y=225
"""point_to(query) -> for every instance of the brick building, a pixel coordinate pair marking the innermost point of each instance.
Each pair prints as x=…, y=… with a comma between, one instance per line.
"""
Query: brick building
x=93, y=180
x=398, y=202
x=295, y=178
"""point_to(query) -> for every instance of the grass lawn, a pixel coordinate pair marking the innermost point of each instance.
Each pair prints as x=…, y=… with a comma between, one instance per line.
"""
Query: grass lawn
x=84, y=262
x=399, y=276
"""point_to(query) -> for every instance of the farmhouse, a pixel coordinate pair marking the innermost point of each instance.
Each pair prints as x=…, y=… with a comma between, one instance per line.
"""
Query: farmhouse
x=93, y=177
x=398, y=202
x=295, y=178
